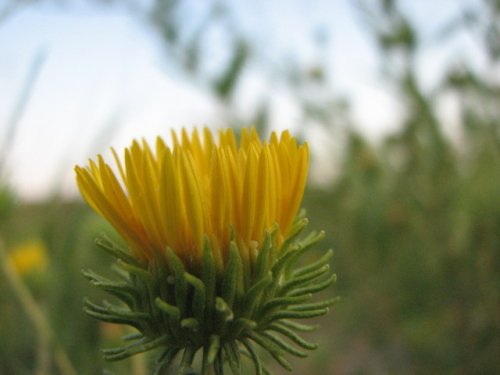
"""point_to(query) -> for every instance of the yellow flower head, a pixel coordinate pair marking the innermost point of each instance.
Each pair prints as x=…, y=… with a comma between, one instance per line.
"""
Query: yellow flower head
x=199, y=188
x=214, y=248
x=28, y=257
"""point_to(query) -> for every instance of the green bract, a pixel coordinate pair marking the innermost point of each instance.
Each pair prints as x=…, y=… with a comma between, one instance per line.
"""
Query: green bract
x=224, y=316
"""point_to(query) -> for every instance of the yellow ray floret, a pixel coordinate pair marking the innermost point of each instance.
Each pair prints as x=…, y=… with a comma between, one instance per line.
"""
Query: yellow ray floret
x=176, y=196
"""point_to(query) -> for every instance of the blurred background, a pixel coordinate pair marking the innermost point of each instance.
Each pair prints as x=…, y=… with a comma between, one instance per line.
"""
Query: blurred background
x=399, y=101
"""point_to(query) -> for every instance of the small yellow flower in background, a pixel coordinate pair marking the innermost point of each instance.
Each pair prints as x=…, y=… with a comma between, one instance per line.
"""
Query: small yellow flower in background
x=174, y=196
x=214, y=249
x=28, y=257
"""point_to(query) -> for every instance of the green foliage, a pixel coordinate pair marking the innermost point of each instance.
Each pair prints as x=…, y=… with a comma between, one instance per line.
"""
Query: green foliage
x=416, y=228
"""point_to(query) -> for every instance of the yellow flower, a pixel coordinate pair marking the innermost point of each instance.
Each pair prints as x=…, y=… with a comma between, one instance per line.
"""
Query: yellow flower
x=176, y=196
x=28, y=257
x=211, y=228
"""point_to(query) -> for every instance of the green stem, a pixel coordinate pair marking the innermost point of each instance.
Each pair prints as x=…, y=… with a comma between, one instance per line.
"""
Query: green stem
x=139, y=364
x=42, y=356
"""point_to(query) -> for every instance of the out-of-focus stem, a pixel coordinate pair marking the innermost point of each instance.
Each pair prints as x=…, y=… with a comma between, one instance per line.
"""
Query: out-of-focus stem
x=36, y=315
x=42, y=356
x=21, y=104
x=139, y=364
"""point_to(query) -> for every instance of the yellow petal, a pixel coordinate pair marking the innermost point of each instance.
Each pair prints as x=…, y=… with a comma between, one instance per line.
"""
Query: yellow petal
x=192, y=205
x=176, y=196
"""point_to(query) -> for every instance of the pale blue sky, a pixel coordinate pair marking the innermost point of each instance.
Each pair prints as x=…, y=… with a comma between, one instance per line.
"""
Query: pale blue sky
x=103, y=66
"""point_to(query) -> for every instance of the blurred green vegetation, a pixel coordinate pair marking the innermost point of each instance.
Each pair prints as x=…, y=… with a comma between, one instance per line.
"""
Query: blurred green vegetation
x=414, y=219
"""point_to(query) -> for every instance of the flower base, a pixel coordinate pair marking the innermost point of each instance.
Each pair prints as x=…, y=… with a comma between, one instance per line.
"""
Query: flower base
x=224, y=315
